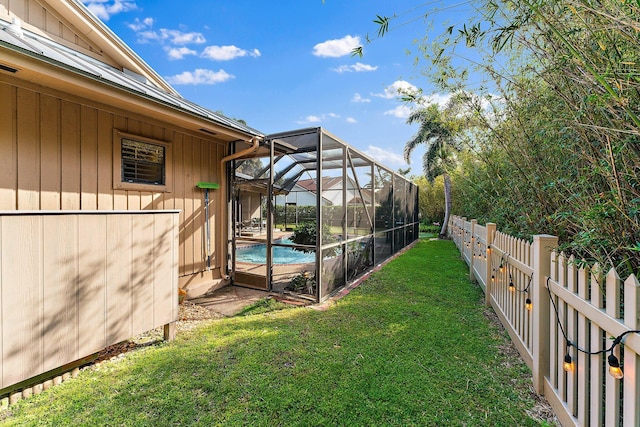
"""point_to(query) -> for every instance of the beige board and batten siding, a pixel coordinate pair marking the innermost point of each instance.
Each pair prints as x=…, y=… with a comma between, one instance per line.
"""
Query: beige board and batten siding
x=73, y=283
x=56, y=153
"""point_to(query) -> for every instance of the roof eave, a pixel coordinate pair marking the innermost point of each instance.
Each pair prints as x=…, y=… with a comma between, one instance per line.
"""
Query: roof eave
x=83, y=19
x=58, y=76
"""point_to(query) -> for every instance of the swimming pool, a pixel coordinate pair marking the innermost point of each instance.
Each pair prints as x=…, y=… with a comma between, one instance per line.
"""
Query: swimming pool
x=257, y=254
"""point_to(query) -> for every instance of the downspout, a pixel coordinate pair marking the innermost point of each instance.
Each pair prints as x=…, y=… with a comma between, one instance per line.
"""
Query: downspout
x=255, y=143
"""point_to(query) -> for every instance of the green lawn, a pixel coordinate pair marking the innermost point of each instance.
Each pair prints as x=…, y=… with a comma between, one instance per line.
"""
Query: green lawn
x=410, y=346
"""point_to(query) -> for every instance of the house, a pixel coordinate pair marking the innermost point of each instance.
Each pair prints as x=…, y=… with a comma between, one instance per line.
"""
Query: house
x=115, y=191
x=99, y=155
x=81, y=112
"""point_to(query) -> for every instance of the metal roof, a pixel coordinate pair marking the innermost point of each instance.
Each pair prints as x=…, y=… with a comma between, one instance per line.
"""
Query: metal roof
x=58, y=55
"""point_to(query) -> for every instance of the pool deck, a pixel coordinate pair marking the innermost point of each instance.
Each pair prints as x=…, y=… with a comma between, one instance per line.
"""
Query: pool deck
x=248, y=240
x=230, y=300
x=253, y=275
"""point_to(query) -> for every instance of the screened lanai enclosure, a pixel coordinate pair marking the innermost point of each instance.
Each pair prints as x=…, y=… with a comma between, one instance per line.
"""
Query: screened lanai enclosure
x=310, y=214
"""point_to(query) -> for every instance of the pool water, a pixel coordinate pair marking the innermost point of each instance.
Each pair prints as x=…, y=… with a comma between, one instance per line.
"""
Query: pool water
x=257, y=254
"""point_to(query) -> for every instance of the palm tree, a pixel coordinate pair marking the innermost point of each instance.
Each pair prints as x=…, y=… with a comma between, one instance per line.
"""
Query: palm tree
x=438, y=133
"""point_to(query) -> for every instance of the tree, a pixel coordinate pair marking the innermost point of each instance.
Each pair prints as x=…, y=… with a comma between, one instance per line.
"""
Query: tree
x=431, y=198
x=558, y=149
x=404, y=172
x=250, y=167
x=438, y=132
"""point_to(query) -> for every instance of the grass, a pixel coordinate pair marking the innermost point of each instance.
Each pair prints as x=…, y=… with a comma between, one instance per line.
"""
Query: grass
x=264, y=305
x=410, y=346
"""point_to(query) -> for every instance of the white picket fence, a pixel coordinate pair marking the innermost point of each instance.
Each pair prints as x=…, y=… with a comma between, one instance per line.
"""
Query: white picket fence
x=556, y=310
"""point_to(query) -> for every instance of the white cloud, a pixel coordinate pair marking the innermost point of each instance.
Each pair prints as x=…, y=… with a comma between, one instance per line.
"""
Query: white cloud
x=337, y=47
x=358, y=98
x=139, y=25
x=175, y=37
x=384, y=156
x=396, y=89
x=104, y=9
x=436, y=98
x=401, y=112
x=179, y=52
x=351, y=120
x=318, y=119
x=311, y=119
x=200, y=77
x=226, y=53
x=357, y=68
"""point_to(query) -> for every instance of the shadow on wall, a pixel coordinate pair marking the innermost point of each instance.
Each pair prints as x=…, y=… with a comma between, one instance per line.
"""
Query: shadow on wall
x=74, y=284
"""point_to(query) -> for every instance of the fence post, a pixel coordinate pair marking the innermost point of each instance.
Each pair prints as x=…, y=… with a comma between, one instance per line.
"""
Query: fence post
x=543, y=245
x=473, y=247
x=491, y=232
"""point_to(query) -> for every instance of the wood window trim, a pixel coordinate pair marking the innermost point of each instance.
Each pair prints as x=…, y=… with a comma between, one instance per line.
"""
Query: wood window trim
x=119, y=184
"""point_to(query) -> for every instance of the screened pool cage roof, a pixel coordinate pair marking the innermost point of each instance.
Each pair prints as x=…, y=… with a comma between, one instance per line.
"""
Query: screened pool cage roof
x=296, y=153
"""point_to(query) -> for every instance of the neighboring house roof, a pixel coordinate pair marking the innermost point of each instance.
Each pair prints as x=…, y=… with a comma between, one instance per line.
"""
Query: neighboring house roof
x=333, y=185
x=34, y=46
x=328, y=183
x=297, y=188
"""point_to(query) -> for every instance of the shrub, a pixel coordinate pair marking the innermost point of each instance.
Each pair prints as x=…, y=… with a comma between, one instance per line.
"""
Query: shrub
x=305, y=234
x=304, y=282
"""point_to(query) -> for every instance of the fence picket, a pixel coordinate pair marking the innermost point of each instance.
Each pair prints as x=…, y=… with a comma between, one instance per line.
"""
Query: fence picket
x=612, y=409
x=555, y=341
x=589, y=308
x=631, y=383
x=582, y=340
x=596, y=360
x=572, y=331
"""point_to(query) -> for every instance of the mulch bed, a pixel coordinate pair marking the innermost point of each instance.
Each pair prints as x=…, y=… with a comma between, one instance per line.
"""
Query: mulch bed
x=189, y=317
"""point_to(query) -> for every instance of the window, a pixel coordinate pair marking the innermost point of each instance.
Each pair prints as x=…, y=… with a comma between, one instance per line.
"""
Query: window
x=141, y=163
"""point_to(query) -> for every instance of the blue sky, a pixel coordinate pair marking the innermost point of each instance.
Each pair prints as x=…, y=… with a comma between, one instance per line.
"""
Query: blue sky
x=286, y=64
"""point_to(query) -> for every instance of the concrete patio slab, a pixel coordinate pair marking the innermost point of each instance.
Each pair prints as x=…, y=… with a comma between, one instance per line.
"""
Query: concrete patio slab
x=230, y=300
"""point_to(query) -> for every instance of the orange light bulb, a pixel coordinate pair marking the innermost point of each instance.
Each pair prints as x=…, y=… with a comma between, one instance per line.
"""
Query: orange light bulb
x=567, y=365
x=614, y=367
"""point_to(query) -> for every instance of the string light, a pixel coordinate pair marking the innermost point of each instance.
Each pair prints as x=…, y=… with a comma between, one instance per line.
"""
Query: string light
x=615, y=370
x=614, y=367
x=512, y=287
x=567, y=365
x=504, y=259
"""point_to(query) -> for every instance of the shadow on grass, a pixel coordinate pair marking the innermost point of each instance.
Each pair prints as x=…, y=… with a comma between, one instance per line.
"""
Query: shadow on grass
x=410, y=346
